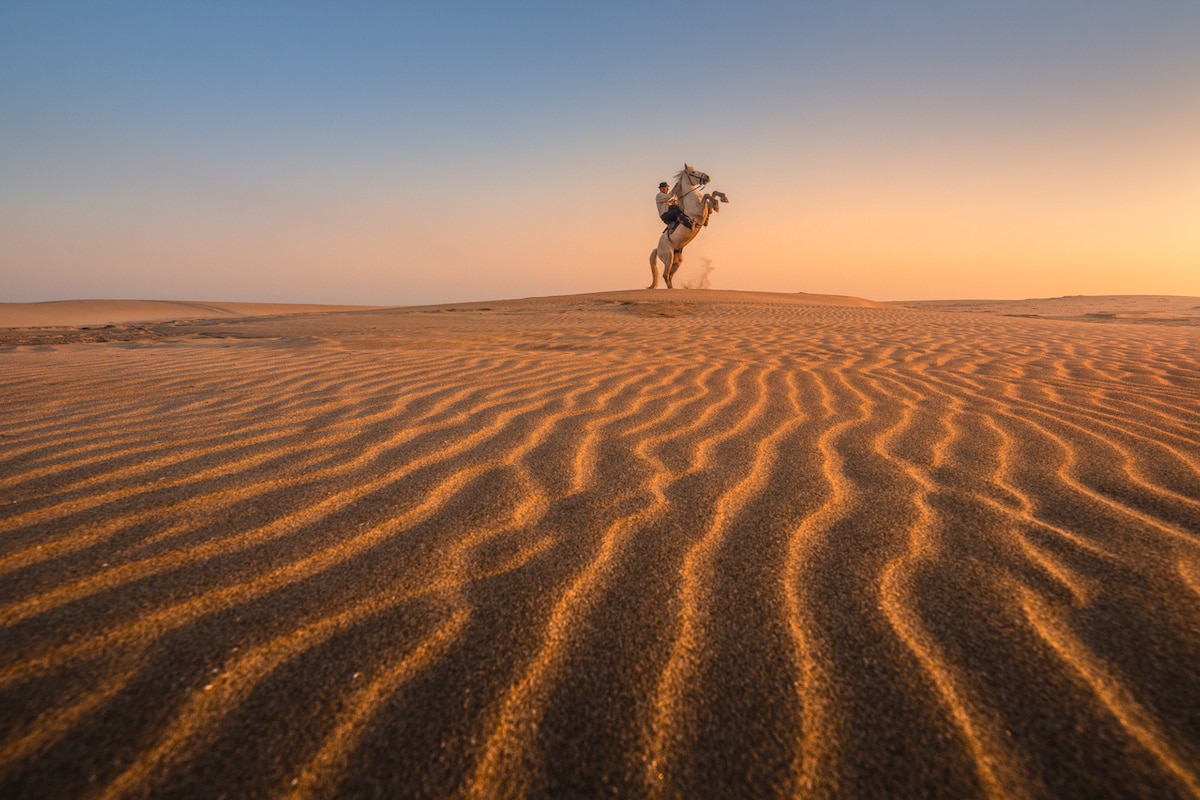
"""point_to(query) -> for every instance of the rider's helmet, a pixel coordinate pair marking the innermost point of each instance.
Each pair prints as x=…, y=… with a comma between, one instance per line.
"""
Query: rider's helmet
x=663, y=184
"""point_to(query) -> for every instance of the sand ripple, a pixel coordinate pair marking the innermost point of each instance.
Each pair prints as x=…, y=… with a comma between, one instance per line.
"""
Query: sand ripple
x=704, y=545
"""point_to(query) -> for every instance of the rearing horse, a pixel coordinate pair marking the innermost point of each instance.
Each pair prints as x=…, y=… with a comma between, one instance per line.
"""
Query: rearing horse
x=670, y=245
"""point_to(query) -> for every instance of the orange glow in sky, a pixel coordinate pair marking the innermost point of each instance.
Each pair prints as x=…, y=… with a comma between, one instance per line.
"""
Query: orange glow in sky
x=401, y=156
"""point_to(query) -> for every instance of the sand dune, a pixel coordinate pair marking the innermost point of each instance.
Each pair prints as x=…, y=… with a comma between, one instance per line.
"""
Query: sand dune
x=59, y=313
x=684, y=544
x=1154, y=309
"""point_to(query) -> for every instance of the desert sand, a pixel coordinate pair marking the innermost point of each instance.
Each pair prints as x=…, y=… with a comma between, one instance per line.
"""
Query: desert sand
x=660, y=544
x=1152, y=309
x=77, y=313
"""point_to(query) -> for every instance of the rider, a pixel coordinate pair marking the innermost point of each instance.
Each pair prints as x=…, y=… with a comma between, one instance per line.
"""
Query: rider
x=668, y=205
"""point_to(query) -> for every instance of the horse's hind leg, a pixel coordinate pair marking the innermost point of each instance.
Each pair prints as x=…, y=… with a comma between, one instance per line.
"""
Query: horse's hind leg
x=670, y=270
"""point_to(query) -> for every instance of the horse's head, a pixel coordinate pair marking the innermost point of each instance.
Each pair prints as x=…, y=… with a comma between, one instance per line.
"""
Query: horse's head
x=693, y=176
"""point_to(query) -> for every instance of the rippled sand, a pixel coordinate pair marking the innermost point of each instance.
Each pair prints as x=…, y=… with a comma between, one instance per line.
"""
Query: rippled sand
x=102, y=313
x=686, y=544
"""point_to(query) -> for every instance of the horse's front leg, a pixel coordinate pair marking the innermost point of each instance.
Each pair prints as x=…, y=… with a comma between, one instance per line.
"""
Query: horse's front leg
x=712, y=202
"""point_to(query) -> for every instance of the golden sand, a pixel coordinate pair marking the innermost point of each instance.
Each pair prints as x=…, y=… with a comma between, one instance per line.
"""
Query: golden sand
x=75, y=313
x=672, y=544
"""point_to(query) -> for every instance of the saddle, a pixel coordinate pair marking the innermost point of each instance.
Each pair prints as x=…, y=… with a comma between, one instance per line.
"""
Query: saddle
x=682, y=219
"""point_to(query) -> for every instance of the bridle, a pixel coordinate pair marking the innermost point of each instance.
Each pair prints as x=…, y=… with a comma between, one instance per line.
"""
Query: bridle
x=697, y=176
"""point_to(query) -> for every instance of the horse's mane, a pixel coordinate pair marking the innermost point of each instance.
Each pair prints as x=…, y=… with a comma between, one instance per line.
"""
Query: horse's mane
x=677, y=189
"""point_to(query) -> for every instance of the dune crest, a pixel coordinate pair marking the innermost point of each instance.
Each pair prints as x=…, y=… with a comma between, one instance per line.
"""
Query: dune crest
x=646, y=543
x=73, y=313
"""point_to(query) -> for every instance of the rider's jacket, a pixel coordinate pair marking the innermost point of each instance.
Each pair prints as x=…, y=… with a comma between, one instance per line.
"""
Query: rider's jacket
x=664, y=200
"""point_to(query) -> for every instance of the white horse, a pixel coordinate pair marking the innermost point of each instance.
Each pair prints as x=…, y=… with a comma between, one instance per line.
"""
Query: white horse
x=670, y=245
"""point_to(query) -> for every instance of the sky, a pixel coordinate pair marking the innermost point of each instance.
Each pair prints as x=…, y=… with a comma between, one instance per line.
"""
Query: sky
x=406, y=153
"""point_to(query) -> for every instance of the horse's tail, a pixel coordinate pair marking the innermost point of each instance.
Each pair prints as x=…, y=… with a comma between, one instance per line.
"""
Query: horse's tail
x=654, y=268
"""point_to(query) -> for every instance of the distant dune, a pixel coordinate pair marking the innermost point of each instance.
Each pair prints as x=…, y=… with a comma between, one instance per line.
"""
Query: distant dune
x=78, y=313
x=102, y=312
x=661, y=544
x=1143, y=308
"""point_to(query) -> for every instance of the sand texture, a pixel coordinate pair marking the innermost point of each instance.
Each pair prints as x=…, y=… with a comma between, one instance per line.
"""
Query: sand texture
x=59, y=313
x=675, y=544
x=1152, y=309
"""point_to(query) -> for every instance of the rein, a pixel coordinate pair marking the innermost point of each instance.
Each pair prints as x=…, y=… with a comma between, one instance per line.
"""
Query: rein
x=696, y=187
x=699, y=177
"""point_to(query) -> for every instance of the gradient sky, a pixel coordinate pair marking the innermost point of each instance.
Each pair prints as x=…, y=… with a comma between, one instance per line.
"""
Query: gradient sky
x=398, y=152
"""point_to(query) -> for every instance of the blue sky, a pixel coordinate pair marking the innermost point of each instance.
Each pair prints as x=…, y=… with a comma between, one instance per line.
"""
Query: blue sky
x=410, y=153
